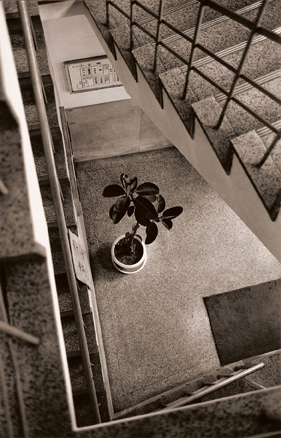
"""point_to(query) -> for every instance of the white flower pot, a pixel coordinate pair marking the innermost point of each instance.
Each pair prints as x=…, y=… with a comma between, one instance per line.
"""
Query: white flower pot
x=124, y=268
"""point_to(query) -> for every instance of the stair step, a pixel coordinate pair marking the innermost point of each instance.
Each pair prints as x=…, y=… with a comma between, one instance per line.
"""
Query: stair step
x=11, y=9
x=270, y=375
x=267, y=179
x=267, y=139
x=65, y=303
x=56, y=249
x=29, y=102
x=68, y=206
x=71, y=338
x=263, y=58
x=18, y=45
x=39, y=156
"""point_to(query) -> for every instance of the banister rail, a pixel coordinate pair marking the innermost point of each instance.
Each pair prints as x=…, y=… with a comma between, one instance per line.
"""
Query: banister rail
x=214, y=387
x=254, y=28
x=55, y=189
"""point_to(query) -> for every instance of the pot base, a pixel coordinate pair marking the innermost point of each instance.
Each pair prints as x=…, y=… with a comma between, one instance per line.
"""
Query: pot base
x=124, y=271
x=128, y=269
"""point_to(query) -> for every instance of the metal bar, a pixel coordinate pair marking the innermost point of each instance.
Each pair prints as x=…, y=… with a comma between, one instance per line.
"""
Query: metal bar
x=3, y=188
x=216, y=58
x=158, y=34
x=16, y=370
x=14, y=331
x=193, y=47
x=261, y=89
x=209, y=389
x=241, y=64
x=173, y=52
x=8, y=417
x=54, y=184
x=179, y=32
x=269, y=34
x=109, y=2
x=222, y=90
x=131, y=25
x=270, y=149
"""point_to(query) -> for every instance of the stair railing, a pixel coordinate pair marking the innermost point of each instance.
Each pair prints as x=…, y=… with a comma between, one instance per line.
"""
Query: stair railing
x=56, y=194
x=205, y=390
x=254, y=28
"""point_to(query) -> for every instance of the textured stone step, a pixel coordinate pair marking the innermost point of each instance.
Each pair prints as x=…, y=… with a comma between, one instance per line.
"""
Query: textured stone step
x=264, y=57
x=39, y=156
x=64, y=297
x=11, y=9
x=18, y=45
x=68, y=207
x=71, y=338
x=267, y=179
x=56, y=249
x=267, y=137
x=270, y=375
x=29, y=102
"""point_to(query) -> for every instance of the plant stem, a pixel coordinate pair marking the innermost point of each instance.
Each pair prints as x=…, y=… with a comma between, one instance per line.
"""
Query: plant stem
x=134, y=231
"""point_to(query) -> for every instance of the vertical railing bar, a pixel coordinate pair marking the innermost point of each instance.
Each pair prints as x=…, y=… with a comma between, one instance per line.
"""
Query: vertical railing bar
x=107, y=13
x=8, y=417
x=16, y=370
x=158, y=33
x=193, y=47
x=131, y=24
x=242, y=62
x=269, y=150
x=54, y=184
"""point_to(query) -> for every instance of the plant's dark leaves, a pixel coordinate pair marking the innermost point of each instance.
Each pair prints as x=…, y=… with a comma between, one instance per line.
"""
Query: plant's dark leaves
x=151, y=198
x=119, y=209
x=111, y=211
x=141, y=219
x=134, y=184
x=151, y=233
x=160, y=203
x=139, y=236
x=145, y=208
x=131, y=210
x=171, y=213
x=147, y=188
x=113, y=190
x=125, y=180
x=167, y=223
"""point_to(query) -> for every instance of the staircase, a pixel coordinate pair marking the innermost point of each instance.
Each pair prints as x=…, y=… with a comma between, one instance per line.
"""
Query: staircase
x=43, y=407
x=153, y=57
x=85, y=413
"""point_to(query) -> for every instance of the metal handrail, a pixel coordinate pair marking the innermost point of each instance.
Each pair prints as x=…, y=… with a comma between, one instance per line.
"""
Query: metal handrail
x=254, y=27
x=214, y=387
x=55, y=189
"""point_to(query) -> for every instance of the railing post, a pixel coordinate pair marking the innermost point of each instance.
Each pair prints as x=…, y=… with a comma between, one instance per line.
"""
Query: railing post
x=241, y=64
x=158, y=33
x=193, y=47
x=55, y=189
x=131, y=24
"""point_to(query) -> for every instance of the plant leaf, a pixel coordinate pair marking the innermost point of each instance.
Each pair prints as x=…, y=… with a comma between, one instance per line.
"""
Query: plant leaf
x=113, y=190
x=131, y=210
x=160, y=203
x=171, y=213
x=134, y=184
x=151, y=198
x=151, y=233
x=145, y=208
x=167, y=223
x=141, y=219
x=147, y=188
x=119, y=209
x=125, y=180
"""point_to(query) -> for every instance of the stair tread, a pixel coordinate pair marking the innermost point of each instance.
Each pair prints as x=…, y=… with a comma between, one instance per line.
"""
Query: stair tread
x=266, y=179
x=39, y=156
x=71, y=337
x=65, y=303
x=68, y=206
x=276, y=152
x=10, y=7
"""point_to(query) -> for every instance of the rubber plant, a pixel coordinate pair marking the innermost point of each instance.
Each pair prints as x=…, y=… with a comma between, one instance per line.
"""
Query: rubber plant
x=145, y=204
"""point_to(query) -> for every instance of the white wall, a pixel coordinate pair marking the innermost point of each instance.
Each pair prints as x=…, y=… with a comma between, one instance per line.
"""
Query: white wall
x=69, y=36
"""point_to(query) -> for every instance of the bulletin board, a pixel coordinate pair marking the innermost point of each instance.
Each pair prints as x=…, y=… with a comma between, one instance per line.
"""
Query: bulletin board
x=90, y=74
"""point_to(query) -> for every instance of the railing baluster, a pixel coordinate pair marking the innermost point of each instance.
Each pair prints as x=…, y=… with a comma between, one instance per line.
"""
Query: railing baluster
x=193, y=47
x=158, y=33
x=242, y=62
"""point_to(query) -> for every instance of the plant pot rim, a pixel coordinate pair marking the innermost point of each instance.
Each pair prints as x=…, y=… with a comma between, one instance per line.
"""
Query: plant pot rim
x=129, y=269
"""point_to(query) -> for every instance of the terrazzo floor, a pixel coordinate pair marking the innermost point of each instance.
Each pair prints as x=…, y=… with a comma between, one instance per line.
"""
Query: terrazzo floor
x=156, y=330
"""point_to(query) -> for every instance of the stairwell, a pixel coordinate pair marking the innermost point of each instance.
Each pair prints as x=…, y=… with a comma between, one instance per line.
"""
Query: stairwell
x=15, y=274
x=157, y=83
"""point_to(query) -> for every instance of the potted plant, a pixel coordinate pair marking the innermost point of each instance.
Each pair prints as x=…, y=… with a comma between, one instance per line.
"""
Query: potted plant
x=147, y=206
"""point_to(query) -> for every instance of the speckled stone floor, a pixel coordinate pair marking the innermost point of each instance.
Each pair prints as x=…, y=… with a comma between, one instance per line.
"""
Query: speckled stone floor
x=155, y=327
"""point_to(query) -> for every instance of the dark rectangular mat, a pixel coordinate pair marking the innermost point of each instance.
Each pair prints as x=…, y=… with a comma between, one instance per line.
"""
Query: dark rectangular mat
x=246, y=322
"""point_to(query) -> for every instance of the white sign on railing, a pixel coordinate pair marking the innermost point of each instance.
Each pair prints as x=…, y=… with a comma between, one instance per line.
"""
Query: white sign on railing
x=80, y=260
